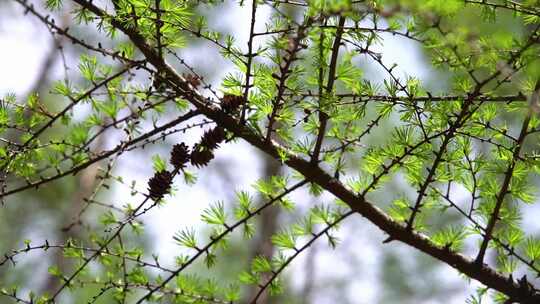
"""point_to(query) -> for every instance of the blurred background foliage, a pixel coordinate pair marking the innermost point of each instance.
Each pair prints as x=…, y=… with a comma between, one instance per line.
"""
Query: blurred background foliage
x=360, y=271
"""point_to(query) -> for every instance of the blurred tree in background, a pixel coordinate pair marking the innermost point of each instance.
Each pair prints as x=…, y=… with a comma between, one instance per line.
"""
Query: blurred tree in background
x=295, y=117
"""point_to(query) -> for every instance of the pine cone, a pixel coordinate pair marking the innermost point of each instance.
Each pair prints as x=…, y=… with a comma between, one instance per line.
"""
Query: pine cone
x=201, y=156
x=159, y=185
x=231, y=103
x=179, y=156
x=211, y=139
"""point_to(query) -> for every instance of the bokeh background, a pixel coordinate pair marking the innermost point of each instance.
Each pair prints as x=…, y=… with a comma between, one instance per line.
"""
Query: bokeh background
x=360, y=270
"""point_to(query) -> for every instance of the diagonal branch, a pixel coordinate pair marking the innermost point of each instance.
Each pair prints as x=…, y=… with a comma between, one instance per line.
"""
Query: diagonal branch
x=118, y=149
x=323, y=117
x=285, y=67
x=298, y=251
x=217, y=238
x=250, y=57
x=505, y=188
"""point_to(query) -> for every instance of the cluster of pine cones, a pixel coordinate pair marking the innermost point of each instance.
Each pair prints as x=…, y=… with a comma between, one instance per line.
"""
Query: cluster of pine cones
x=200, y=156
x=202, y=152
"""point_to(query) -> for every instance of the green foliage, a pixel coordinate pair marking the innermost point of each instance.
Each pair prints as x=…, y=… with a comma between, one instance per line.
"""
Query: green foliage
x=446, y=165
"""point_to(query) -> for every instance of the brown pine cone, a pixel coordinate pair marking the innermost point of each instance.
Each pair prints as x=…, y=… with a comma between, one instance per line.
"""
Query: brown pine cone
x=179, y=156
x=159, y=185
x=201, y=156
x=212, y=138
x=231, y=103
